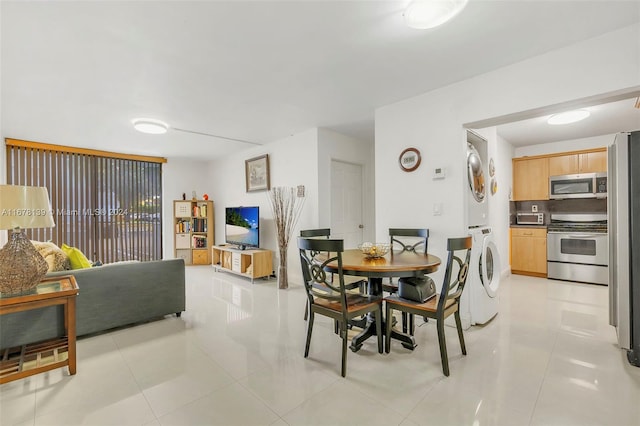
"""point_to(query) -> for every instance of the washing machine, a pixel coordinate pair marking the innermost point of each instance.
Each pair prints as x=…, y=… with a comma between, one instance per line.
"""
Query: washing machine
x=483, y=284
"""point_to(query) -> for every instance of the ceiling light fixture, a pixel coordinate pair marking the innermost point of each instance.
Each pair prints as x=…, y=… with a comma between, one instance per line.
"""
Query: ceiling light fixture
x=150, y=125
x=425, y=14
x=568, y=117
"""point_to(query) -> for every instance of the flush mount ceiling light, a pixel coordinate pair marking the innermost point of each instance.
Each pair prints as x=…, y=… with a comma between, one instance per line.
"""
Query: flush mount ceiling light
x=150, y=125
x=568, y=117
x=425, y=14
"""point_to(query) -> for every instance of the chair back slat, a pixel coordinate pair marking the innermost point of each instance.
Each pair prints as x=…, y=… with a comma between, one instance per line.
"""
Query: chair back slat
x=458, y=257
x=315, y=254
x=314, y=233
x=409, y=239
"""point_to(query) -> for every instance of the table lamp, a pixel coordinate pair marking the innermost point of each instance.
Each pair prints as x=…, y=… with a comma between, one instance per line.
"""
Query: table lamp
x=22, y=207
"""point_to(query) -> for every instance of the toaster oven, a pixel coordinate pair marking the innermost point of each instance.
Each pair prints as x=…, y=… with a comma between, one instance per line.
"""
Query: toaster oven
x=530, y=218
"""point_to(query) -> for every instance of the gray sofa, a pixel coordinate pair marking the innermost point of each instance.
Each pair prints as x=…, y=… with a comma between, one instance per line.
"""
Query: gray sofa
x=110, y=296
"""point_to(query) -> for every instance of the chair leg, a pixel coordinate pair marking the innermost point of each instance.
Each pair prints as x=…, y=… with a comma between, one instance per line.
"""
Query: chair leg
x=387, y=337
x=309, y=331
x=412, y=325
x=343, y=332
x=306, y=310
x=460, y=335
x=443, y=347
x=404, y=322
x=379, y=328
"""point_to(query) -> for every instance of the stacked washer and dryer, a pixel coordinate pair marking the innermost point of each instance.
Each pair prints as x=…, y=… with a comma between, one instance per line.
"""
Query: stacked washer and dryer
x=480, y=301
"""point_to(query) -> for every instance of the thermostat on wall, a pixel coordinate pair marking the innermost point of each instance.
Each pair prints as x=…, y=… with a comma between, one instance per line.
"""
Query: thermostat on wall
x=438, y=173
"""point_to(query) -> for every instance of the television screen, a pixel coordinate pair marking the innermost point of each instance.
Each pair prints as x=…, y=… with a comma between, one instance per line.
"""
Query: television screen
x=242, y=226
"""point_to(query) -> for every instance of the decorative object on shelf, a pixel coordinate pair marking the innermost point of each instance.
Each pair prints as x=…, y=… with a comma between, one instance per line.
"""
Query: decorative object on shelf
x=257, y=173
x=409, y=159
x=194, y=197
x=184, y=196
x=286, y=204
x=205, y=197
x=374, y=251
x=492, y=168
x=22, y=207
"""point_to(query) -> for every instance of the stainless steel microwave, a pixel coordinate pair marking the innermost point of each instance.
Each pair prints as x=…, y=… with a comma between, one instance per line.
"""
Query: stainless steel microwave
x=583, y=185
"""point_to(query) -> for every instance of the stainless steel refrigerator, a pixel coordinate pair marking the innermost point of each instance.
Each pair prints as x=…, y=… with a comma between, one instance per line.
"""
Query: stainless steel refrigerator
x=624, y=241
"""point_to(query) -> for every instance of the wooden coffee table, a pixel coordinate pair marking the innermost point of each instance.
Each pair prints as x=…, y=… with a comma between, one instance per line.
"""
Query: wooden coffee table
x=34, y=358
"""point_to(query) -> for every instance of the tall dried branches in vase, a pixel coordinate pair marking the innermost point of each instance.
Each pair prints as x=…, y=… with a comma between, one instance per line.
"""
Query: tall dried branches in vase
x=286, y=204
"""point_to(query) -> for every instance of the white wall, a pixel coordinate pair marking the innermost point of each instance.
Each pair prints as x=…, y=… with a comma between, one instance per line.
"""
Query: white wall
x=433, y=122
x=563, y=146
x=180, y=176
x=335, y=146
x=293, y=161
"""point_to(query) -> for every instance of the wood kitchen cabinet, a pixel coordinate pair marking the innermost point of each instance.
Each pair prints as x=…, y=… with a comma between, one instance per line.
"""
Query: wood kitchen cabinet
x=529, y=251
x=584, y=162
x=530, y=179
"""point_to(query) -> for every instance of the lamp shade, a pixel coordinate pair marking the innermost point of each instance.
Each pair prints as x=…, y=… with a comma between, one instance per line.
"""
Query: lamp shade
x=25, y=207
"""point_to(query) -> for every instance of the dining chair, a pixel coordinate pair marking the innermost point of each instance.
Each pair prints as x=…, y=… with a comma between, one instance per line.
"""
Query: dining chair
x=444, y=304
x=414, y=240
x=330, y=298
x=350, y=282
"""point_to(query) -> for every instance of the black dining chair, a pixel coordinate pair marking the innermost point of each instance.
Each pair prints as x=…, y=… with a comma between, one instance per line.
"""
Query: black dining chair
x=330, y=298
x=414, y=240
x=444, y=304
x=350, y=282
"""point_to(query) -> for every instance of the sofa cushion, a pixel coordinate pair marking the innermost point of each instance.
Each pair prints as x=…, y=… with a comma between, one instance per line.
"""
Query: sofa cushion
x=76, y=257
x=56, y=259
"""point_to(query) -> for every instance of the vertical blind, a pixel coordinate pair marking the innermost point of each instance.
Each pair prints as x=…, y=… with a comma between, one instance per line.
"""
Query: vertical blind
x=108, y=207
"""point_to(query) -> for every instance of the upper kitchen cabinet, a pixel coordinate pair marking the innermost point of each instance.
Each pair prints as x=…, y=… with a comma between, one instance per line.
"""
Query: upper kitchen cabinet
x=579, y=162
x=530, y=178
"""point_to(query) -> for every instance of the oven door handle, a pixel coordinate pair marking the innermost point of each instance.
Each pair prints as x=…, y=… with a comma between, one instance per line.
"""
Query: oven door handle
x=578, y=236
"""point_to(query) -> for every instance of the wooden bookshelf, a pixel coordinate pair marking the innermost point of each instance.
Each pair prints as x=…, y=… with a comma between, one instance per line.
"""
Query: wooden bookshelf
x=193, y=231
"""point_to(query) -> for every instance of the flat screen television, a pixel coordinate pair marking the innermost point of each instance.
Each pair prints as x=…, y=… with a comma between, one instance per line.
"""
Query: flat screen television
x=242, y=226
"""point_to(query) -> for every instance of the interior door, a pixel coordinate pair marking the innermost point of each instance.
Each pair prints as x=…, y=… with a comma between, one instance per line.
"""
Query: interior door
x=346, y=203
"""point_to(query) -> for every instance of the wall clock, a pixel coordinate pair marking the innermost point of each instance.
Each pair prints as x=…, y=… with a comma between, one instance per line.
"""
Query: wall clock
x=409, y=159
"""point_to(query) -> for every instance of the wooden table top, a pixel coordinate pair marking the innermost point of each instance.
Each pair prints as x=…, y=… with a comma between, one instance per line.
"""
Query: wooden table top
x=47, y=289
x=393, y=264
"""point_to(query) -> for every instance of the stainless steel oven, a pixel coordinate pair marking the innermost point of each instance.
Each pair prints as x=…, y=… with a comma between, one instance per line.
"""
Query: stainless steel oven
x=578, y=248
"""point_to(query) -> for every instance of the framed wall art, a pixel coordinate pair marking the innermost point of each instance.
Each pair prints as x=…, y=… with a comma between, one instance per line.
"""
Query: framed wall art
x=257, y=173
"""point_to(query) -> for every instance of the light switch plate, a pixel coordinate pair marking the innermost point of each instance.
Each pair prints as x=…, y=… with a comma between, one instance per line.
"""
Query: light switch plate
x=534, y=208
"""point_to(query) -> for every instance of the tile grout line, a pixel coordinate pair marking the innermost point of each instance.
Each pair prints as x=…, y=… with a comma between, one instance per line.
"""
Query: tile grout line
x=544, y=377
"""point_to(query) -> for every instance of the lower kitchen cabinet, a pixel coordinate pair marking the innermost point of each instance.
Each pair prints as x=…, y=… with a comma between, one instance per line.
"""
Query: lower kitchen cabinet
x=529, y=251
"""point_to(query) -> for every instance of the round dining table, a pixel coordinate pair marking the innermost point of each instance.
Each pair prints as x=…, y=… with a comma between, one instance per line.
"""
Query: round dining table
x=395, y=264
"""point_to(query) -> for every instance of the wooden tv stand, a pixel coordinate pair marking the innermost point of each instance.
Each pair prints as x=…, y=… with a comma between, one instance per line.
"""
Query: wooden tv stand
x=253, y=263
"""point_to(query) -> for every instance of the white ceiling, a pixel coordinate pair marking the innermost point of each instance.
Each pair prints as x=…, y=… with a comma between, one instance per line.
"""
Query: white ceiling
x=76, y=73
x=605, y=119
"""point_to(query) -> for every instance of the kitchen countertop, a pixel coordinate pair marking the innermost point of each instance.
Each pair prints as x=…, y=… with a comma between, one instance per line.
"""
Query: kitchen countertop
x=515, y=225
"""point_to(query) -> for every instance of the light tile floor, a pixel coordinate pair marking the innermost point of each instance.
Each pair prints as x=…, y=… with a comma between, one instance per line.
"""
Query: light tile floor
x=235, y=358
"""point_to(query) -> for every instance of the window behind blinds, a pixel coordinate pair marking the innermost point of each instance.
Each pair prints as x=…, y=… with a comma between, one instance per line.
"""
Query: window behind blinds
x=108, y=207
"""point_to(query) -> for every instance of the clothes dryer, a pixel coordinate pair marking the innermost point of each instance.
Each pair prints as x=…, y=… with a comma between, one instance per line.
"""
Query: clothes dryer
x=477, y=204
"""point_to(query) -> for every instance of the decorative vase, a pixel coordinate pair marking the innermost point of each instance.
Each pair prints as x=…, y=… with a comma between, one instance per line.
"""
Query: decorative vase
x=286, y=204
x=283, y=278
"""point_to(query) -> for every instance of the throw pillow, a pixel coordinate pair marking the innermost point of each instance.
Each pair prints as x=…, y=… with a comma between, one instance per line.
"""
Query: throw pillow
x=76, y=257
x=56, y=259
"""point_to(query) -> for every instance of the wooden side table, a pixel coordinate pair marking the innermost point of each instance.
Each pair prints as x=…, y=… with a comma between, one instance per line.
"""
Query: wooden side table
x=34, y=358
